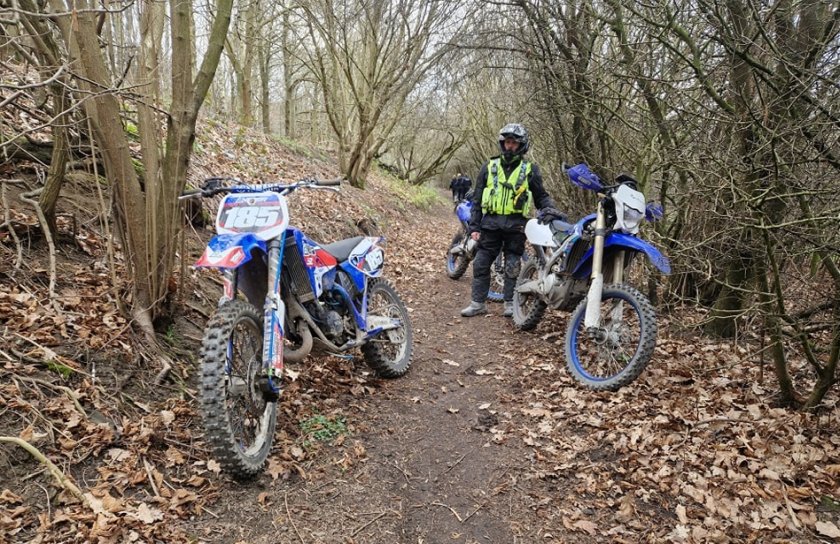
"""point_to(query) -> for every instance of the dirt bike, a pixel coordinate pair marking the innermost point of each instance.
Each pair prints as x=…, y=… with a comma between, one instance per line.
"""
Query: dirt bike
x=284, y=294
x=574, y=262
x=462, y=251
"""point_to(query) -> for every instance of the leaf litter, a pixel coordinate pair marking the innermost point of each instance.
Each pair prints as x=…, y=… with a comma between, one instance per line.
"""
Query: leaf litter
x=693, y=451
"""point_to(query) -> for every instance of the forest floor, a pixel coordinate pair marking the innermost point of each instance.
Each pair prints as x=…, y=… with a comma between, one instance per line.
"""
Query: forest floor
x=486, y=440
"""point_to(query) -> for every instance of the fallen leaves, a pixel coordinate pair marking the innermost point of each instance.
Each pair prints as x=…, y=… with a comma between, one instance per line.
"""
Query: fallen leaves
x=827, y=528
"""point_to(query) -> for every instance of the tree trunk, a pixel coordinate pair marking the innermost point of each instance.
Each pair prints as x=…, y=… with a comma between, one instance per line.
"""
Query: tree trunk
x=51, y=59
x=104, y=111
x=289, y=84
x=730, y=302
x=787, y=393
x=58, y=161
x=265, y=88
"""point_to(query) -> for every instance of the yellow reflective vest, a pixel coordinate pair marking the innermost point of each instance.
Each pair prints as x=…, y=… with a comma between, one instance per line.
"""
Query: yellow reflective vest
x=503, y=195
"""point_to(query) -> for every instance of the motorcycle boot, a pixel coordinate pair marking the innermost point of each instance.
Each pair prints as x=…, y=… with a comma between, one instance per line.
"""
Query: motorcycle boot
x=474, y=309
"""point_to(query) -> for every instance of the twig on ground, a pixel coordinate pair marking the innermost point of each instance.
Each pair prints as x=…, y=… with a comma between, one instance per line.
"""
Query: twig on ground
x=292, y=521
x=450, y=509
x=360, y=529
x=151, y=477
x=66, y=390
x=164, y=372
x=474, y=511
x=404, y=473
x=56, y=472
x=47, y=353
x=455, y=464
x=215, y=515
x=49, y=503
x=790, y=508
x=552, y=335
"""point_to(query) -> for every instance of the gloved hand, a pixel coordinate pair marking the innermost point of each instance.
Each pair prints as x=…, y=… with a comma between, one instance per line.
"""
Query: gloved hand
x=547, y=215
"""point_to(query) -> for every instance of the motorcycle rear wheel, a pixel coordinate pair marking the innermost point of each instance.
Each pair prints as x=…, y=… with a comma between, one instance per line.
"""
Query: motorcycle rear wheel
x=456, y=265
x=388, y=354
x=528, y=308
x=239, y=421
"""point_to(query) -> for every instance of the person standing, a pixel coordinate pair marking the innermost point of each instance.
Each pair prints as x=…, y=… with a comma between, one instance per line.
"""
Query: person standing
x=464, y=185
x=504, y=189
x=454, y=186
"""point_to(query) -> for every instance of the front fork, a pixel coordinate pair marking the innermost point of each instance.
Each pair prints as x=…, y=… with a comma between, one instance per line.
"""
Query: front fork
x=592, y=317
x=274, y=314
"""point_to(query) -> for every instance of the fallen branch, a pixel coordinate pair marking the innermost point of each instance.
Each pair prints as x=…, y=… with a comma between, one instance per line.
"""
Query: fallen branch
x=29, y=199
x=56, y=472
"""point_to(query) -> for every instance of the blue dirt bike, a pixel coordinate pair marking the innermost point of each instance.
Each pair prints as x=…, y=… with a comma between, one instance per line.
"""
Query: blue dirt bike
x=462, y=250
x=283, y=295
x=612, y=330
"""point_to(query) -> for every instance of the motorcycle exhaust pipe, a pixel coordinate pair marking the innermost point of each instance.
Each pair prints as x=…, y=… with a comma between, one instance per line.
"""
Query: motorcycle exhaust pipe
x=298, y=355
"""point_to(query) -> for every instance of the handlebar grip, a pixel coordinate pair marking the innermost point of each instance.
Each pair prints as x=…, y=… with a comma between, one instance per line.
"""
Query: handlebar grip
x=328, y=182
x=190, y=194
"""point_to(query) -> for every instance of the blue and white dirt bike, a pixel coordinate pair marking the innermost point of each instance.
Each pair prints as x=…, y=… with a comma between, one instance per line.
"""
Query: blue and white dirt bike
x=462, y=251
x=612, y=330
x=284, y=294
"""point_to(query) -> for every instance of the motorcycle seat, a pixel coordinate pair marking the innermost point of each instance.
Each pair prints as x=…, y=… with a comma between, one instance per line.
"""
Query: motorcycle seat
x=341, y=250
x=561, y=226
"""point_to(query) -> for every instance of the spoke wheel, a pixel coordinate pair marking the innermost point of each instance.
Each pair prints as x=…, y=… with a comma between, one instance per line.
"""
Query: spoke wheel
x=528, y=308
x=388, y=354
x=238, y=419
x=615, y=353
x=456, y=264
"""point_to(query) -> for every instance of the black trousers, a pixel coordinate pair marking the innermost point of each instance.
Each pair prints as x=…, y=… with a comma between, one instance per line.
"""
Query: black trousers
x=512, y=244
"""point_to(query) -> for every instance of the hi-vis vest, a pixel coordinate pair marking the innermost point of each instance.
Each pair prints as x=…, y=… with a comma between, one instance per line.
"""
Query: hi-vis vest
x=505, y=197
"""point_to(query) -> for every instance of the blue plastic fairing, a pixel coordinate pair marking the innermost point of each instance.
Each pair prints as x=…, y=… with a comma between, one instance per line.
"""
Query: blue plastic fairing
x=621, y=240
x=222, y=246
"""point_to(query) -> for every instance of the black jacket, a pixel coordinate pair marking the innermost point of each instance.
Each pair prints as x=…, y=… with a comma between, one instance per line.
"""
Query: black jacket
x=479, y=221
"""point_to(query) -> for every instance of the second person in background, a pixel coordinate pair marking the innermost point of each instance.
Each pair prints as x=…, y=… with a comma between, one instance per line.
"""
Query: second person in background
x=504, y=189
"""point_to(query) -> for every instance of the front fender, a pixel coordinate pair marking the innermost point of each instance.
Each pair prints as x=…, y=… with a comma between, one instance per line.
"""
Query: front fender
x=230, y=251
x=625, y=241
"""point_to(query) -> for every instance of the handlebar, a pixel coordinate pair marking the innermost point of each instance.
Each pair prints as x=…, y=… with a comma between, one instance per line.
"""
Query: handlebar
x=212, y=186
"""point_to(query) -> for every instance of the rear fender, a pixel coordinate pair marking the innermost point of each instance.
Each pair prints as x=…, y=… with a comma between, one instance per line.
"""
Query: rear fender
x=619, y=240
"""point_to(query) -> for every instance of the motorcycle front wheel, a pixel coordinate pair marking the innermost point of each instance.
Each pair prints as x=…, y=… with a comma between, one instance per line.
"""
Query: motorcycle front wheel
x=615, y=353
x=239, y=421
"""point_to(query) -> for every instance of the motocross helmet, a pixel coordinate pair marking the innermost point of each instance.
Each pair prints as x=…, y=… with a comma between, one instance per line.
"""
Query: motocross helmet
x=518, y=133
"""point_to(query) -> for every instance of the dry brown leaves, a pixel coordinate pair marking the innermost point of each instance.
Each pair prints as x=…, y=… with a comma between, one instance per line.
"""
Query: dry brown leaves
x=694, y=451
x=137, y=453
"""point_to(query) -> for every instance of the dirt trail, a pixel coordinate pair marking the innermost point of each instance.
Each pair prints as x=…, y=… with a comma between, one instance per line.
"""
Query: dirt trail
x=435, y=469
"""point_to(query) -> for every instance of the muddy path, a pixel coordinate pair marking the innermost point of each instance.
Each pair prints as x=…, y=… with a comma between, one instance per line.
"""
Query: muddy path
x=428, y=459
